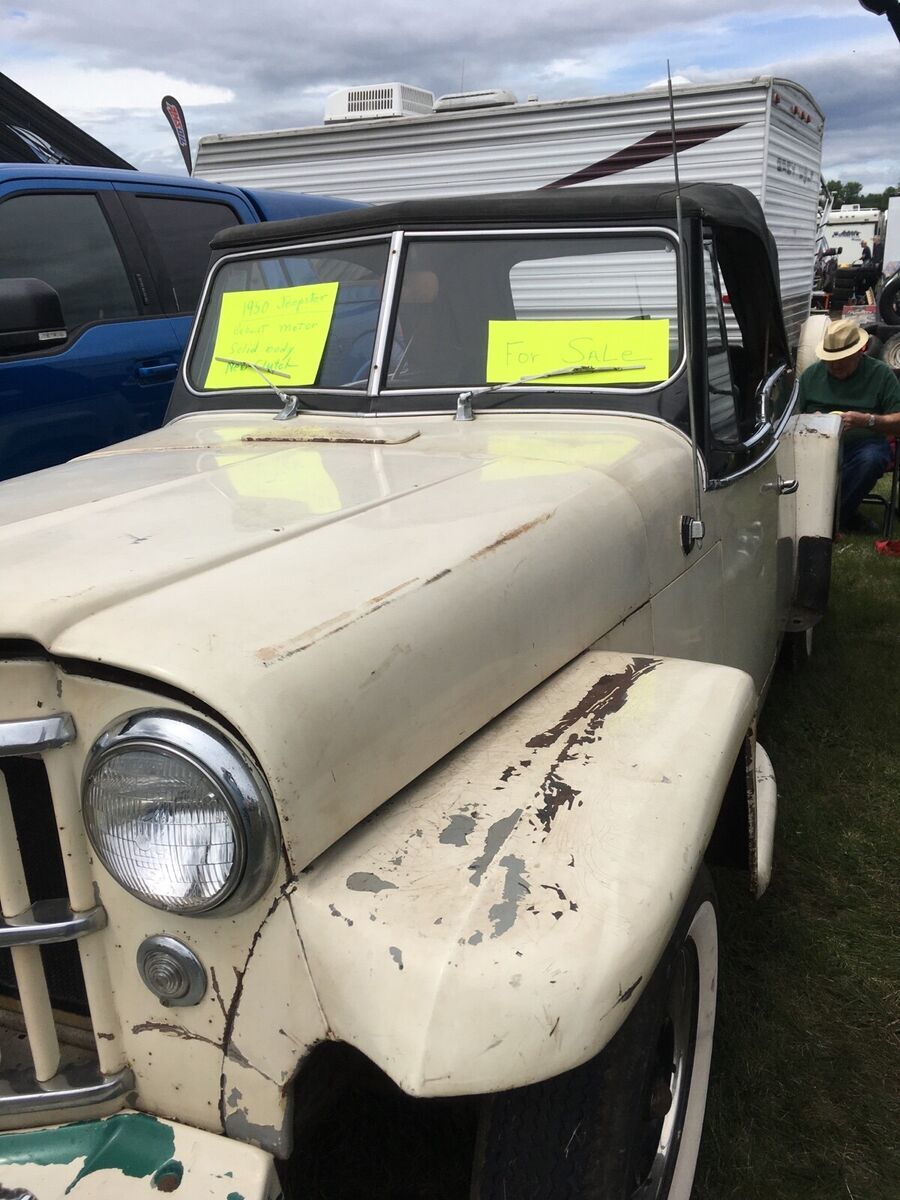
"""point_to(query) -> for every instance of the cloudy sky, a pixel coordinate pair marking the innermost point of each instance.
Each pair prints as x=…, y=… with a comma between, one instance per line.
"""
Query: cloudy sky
x=269, y=64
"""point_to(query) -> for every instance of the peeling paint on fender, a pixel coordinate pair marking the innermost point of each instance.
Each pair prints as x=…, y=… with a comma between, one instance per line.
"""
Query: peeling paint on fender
x=496, y=836
x=133, y=1143
x=457, y=832
x=365, y=881
x=608, y=695
x=503, y=915
x=555, y=909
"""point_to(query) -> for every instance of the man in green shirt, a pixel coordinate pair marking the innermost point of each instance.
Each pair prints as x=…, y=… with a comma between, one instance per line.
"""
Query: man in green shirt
x=867, y=395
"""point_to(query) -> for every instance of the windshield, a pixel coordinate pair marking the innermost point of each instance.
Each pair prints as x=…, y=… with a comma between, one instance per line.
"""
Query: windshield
x=467, y=312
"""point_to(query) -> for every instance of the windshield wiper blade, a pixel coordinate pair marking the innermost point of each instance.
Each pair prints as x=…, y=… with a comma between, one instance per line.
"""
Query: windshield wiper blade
x=464, y=399
x=290, y=403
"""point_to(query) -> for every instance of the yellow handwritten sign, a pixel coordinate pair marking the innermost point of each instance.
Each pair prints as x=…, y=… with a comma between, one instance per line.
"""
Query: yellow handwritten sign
x=620, y=351
x=282, y=329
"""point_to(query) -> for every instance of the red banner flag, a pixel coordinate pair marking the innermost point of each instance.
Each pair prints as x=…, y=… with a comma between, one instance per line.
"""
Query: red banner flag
x=174, y=114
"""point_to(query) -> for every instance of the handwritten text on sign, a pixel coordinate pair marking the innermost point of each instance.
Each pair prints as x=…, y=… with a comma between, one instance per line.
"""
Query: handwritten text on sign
x=282, y=329
x=517, y=348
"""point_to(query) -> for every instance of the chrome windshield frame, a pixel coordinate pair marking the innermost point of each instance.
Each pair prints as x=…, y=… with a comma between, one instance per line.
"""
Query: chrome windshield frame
x=397, y=242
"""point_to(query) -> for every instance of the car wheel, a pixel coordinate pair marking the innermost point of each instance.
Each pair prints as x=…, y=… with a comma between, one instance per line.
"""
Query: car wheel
x=626, y=1125
x=890, y=353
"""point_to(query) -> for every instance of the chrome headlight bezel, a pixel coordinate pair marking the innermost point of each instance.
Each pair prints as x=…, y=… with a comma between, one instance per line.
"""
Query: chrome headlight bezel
x=229, y=770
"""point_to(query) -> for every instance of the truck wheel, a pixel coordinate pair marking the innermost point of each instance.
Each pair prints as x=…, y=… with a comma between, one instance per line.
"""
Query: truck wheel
x=626, y=1125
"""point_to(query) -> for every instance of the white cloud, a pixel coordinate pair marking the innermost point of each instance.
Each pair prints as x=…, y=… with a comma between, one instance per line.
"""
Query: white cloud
x=88, y=91
x=106, y=65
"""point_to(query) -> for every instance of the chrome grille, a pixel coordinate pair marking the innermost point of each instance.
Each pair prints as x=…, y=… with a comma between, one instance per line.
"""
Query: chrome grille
x=32, y=863
x=41, y=857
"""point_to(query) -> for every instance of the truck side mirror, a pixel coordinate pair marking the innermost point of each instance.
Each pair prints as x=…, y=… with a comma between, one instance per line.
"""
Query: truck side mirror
x=31, y=316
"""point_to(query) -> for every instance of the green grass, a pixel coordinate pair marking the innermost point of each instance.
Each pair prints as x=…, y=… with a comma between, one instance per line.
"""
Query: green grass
x=805, y=1098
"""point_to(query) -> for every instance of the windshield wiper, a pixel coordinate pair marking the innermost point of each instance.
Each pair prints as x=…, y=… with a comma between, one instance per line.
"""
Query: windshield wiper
x=290, y=402
x=464, y=399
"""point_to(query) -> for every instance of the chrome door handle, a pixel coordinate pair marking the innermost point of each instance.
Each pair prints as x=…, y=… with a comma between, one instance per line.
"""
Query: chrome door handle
x=784, y=487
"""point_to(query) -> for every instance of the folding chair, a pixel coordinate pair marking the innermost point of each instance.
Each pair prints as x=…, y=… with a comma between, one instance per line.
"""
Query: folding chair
x=890, y=506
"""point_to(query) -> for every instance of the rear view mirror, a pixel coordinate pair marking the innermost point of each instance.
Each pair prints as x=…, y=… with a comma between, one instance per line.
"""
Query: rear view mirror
x=30, y=316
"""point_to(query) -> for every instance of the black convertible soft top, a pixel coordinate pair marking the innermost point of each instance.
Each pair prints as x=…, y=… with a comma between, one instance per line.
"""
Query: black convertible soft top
x=745, y=247
x=720, y=204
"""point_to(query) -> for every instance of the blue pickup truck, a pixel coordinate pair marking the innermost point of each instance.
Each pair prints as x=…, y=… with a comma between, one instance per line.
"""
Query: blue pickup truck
x=100, y=272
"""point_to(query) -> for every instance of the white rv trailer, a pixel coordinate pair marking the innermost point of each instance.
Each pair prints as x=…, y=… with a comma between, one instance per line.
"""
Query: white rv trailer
x=849, y=226
x=764, y=133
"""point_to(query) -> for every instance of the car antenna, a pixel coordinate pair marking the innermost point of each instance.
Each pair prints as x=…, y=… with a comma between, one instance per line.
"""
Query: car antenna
x=692, y=527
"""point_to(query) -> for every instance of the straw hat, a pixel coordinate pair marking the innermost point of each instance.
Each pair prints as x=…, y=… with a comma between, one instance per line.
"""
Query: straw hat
x=842, y=338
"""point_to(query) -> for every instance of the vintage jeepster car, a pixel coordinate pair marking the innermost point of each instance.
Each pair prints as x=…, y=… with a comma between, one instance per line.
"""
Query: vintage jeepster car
x=366, y=731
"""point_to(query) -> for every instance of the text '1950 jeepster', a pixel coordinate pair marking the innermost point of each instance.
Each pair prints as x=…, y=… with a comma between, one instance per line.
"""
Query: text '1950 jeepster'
x=366, y=731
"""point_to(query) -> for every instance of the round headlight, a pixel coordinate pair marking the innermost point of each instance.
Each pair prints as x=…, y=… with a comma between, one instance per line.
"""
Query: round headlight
x=178, y=815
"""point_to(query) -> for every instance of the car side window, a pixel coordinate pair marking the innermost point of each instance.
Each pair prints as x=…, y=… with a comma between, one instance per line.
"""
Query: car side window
x=65, y=240
x=182, y=231
x=721, y=391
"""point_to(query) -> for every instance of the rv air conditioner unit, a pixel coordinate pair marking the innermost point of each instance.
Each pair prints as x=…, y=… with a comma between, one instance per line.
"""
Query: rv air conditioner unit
x=497, y=98
x=376, y=100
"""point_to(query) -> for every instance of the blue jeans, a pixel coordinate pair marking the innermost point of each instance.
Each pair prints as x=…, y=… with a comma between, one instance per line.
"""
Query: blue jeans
x=862, y=465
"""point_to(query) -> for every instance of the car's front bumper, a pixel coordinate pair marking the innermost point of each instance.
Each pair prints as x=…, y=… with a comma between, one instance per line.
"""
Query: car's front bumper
x=132, y=1155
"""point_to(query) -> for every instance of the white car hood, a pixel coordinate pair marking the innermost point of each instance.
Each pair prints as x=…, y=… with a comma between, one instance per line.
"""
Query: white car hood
x=355, y=598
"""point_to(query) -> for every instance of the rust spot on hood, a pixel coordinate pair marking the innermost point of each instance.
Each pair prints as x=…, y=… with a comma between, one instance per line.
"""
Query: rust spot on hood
x=511, y=535
x=318, y=633
x=302, y=433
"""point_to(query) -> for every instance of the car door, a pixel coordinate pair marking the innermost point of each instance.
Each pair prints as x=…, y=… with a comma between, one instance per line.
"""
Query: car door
x=174, y=225
x=127, y=260
x=107, y=380
x=741, y=505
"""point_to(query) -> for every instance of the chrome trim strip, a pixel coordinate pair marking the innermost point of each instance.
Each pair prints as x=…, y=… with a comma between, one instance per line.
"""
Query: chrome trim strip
x=387, y=233
x=47, y=922
x=379, y=350
x=716, y=485
x=77, y=1087
x=789, y=408
x=545, y=230
x=765, y=431
x=36, y=736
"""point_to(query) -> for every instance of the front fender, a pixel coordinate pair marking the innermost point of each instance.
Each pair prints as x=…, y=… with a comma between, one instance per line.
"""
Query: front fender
x=495, y=922
x=816, y=438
